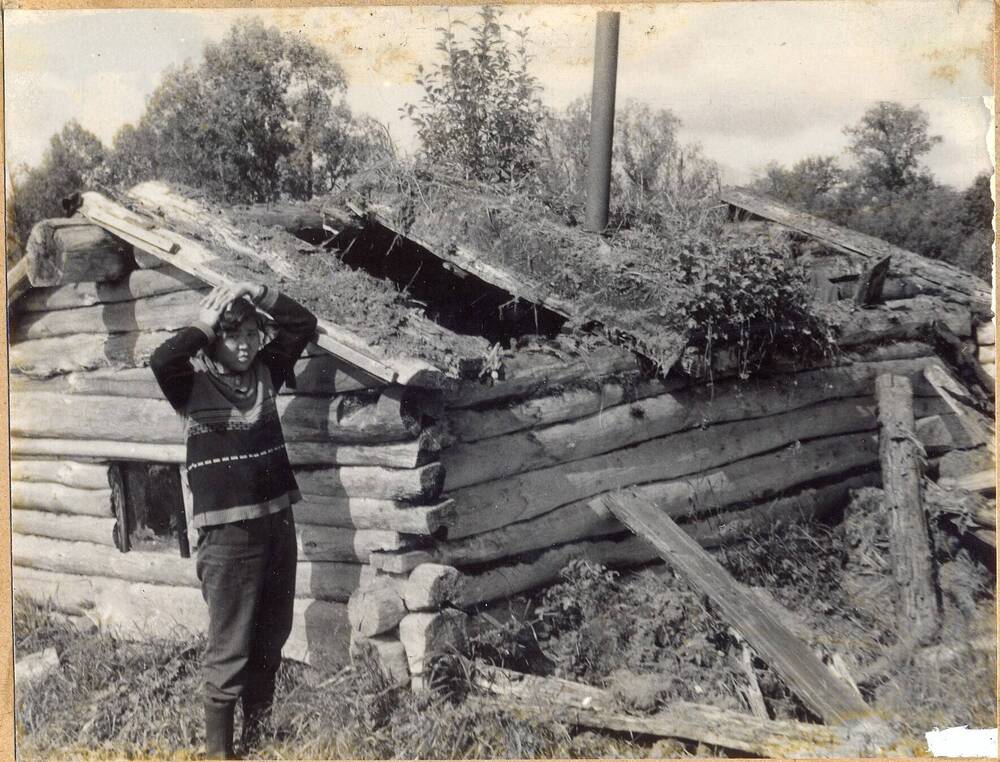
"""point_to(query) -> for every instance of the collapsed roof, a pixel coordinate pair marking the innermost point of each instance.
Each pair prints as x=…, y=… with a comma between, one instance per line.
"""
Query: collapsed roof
x=440, y=275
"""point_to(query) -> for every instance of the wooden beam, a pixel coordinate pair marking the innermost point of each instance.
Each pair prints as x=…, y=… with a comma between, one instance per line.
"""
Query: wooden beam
x=793, y=660
x=956, y=398
x=963, y=356
x=909, y=539
x=17, y=280
x=73, y=250
x=472, y=262
x=872, y=283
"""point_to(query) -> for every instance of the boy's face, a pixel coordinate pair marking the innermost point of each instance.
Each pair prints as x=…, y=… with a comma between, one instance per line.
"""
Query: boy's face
x=235, y=350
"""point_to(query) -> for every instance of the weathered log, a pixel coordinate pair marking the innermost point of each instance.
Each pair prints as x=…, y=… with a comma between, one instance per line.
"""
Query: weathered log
x=427, y=636
x=320, y=629
x=302, y=219
x=483, y=507
x=370, y=513
x=809, y=505
x=166, y=312
x=529, y=372
x=323, y=543
x=305, y=420
x=74, y=250
x=97, y=449
x=956, y=398
x=386, y=652
x=586, y=706
x=981, y=481
x=324, y=376
x=59, y=526
x=65, y=472
x=904, y=319
x=421, y=484
x=43, y=496
x=628, y=424
x=138, y=284
x=962, y=355
x=374, y=610
x=429, y=586
x=986, y=333
x=17, y=281
x=872, y=282
x=986, y=355
x=402, y=562
x=473, y=425
x=65, y=354
x=321, y=580
x=793, y=660
x=331, y=580
x=34, y=668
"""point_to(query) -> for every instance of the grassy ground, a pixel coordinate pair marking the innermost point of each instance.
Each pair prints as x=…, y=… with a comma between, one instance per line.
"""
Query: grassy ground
x=646, y=636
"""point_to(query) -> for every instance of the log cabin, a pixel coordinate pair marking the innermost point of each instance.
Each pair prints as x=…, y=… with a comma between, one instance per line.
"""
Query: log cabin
x=466, y=405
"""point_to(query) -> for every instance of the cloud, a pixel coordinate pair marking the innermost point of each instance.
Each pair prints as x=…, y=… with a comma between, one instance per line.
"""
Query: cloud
x=750, y=81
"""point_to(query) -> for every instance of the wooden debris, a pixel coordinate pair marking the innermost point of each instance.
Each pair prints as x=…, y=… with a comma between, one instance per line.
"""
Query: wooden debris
x=34, y=668
x=872, y=282
x=981, y=481
x=586, y=706
x=17, y=281
x=963, y=356
x=387, y=653
x=375, y=609
x=792, y=659
x=954, y=395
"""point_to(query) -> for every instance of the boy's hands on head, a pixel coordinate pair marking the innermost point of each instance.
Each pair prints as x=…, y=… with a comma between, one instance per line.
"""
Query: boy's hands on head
x=253, y=290
x=213, y=304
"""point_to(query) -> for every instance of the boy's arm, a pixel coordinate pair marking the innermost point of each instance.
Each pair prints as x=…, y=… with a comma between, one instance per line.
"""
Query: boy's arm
x=171, y=362
x=296, y=328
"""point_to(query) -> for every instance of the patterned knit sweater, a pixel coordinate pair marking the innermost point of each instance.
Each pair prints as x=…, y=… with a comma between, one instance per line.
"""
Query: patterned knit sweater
x=237, y=465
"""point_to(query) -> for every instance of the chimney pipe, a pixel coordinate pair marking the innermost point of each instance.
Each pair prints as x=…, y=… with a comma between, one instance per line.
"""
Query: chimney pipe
x=602, y=121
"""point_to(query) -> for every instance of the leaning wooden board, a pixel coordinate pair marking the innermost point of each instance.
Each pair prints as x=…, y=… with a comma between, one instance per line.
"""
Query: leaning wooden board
x=830, y=698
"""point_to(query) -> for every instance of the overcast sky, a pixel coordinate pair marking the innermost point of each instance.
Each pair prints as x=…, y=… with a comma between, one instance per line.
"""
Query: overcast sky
x=751, y=82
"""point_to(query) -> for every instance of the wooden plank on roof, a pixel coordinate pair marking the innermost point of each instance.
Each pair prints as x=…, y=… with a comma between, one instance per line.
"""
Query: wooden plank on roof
x=472, y=262
x=927, y=272
x=793, y=660
x=17, y=280
x=192, y=257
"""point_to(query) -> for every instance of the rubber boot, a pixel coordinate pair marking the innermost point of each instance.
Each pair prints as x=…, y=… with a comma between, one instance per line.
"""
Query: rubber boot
x=219, y=731
x=256, y=716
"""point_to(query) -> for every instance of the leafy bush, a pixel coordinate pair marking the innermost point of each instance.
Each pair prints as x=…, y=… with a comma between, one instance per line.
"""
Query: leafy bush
x=745, y=296
x=480, y=113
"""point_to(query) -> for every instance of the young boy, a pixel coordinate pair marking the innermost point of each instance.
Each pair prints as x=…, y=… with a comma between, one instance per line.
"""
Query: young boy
x=216, y=374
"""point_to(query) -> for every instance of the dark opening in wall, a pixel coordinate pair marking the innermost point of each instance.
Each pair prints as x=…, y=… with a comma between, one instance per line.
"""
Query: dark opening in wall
x=149, y=507
x=456, y=300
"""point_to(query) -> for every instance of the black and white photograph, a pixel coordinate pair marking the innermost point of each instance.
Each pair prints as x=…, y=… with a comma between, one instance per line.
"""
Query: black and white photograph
x=502, y=381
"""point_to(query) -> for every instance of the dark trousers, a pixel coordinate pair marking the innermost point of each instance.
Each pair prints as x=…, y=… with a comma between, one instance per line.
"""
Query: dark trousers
x=247, y=574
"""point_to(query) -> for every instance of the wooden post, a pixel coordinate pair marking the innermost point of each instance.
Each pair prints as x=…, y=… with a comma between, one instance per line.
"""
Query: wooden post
x=909, y=541
x=119, y=508
x=872, y=283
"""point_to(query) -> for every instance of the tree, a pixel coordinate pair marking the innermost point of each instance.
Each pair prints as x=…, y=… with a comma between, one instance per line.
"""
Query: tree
x=480, y=113
x=70, y=163
x=810, y=184
x=888, y=145
x=262, y=115
x=652, y=172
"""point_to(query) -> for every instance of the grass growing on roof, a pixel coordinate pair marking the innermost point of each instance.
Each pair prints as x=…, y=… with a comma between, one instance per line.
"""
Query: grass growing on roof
x=655, y=290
